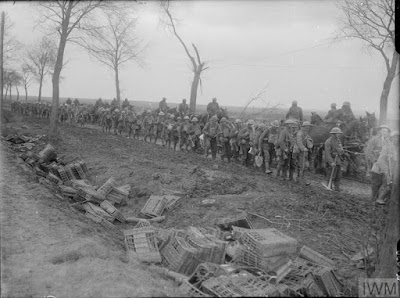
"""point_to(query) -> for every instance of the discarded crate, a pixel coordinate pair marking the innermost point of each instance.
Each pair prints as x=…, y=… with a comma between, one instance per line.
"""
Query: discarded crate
x=90, y=195
x=315, y=257
x=79, y=183
x=143, y=224
x=245, y=256
x=39, y=172
x=203, y=272
x=179, y=256
x=269, y=242
x=239, y=220
x=83, y=166
x=62, y=173
x=105, y=223
x=279, y=273
x=190, y=290
x=80, y=171
x=107, y=206
x=328, y=282
x=238, y=232
x=117, y=196
x=53, y=178
x=107, y=186
x=142, y=243
x=311, y=288
x=172, y=202
x=68, y=191
x=93, y=209
x=154, y=206
x=211, y=232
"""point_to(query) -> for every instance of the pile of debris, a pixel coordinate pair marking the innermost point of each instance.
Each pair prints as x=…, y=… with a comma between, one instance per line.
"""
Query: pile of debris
x=232, y=260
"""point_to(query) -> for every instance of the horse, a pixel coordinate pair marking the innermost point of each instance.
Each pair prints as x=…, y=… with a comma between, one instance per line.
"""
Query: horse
x=205, y=117
x=316, y=119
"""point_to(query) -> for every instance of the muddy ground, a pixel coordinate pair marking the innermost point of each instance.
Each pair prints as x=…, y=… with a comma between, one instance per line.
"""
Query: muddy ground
x=48, y=248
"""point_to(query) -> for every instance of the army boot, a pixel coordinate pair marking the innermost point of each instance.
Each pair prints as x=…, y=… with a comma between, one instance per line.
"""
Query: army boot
x=267, y=168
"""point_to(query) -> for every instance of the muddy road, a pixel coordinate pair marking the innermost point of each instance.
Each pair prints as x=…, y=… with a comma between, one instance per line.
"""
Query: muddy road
x=48, y=248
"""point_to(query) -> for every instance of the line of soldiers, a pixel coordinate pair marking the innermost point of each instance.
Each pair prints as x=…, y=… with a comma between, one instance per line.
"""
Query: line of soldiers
x=37, y=109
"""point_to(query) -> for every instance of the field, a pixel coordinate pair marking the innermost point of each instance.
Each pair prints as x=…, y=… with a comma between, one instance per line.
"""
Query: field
x=48, y=248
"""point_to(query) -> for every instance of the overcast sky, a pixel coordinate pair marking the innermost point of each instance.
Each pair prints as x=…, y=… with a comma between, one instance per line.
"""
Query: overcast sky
x=248, y=44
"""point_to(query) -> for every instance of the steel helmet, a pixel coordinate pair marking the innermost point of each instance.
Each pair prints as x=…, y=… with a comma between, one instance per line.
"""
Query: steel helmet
x=148, y=111
x=335, y=130
x=384, y=126
x=333, y=105
x=172, y=116
x=161, y=114
x=238, y=121
x=289, y=121
x=186, y=118
x=346, y=103
x=194, y=119
x=262, y=125
x=275, y=123
x=178, y=118
x=394, y=133
x=123, y=112
x=294, y=102
x=214, y=117
x=116, y=110
x=306, y=123
x=251, y=122
x=223, y=119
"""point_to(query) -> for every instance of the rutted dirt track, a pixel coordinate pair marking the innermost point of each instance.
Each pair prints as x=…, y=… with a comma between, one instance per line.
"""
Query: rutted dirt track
x=48, y=248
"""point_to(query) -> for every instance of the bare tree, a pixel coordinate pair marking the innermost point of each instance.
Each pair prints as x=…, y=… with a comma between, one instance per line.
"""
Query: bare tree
x=27, y=79
x=198, y=66
x=372, y=21
x=40, y=59
x=11, y=79
x=67, y=18
x=114, y=45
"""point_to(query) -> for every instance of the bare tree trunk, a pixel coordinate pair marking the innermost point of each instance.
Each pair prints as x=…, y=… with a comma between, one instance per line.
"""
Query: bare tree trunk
x=386, y=88
x=57, y=72
x=1, y=62
x=40, y=88
x=5, y=96
x=386, y=266
x=16, y=87
x=193, y=91
x=117, y=87
x=10, y=91
x=26, y=93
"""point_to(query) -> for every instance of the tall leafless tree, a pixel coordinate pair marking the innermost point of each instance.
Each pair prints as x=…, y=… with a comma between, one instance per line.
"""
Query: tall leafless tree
x=114, y=45
x=372, y=21
x=198, y=66
x=40, y=59
x=67, y=19
x=27, y=79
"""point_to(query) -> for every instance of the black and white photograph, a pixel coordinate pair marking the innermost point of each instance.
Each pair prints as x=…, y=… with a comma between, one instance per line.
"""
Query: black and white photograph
x=205, y=148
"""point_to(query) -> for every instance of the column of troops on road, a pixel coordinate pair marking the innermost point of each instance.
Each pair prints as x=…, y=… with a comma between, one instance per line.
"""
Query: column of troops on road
x=291, y=143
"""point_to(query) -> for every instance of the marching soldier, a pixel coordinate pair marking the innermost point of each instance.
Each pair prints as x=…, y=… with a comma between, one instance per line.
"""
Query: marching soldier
x=345, y=114
x=266, y=143
x=183, y=108
x=331, y=113
x=210, y=132
x=213, y=107
x=224, y=132
x=333, y=152
x=194, y=133
x=246, y=138
x=148, y=124
x=234, y=140
x=304, y=144
x=375, y=145
x=159, y=128
x=176, y=133
x=386, y=165
x=162, y=105
x=285, y=143
x=169, y=125
x=184, y=133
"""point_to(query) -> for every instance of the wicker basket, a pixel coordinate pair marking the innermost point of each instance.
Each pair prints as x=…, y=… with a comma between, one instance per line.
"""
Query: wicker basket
x=154, y=206
x=142, y=243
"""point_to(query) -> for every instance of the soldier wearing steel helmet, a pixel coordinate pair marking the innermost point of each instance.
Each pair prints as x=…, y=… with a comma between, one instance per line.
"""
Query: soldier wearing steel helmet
x=224, y=132
x=234, y=140
x=158, y=127
x=386, y=169
x=210, y=132
x=148, y=121
x=184, y=128
x=295, y=112
x=194, y=132
x=183, y=108
x=266, y=144
x=331, y=113
x=162, y=105
x=345, y=114
x=302, y=150
x=285, y=143
x=333, y=152
x=246, y=141
x=176, y=133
